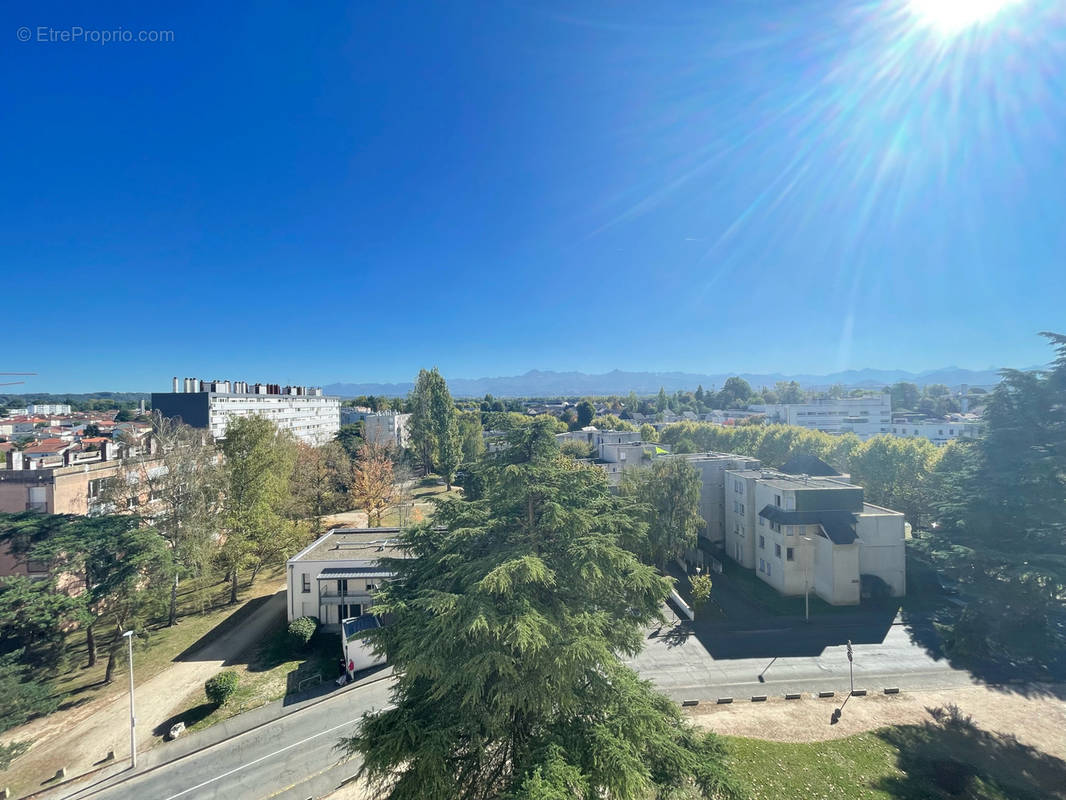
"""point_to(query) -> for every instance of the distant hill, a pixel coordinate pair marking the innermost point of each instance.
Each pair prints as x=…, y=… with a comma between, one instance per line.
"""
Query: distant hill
x=541, y=383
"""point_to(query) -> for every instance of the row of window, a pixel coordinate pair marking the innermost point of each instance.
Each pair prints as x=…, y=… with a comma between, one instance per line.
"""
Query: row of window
x=342, y=585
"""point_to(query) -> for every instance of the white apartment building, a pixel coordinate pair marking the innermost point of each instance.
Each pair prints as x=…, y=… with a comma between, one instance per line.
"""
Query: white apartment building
x=334, y=578
x=384, y=428
x=616, y=451
x=310, y=416
x=48, y=408
x=864, y=416
x=937, y=431
x=799, y=532
x=712, y=468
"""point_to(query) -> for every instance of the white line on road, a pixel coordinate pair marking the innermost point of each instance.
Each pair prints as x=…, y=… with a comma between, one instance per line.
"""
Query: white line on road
x=261, y=758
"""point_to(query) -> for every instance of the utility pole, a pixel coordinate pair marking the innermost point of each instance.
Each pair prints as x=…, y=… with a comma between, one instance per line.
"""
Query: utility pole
x=851, y=668
x=133, y=716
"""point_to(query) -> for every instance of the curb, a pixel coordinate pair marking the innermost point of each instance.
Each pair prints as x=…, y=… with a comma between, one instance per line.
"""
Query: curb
x=893, y=690
x=690, y=702
x=89, y=791
x=826, y=694
x=724, y=700
x=796, y=696
x=758, y=698
x=859, y=693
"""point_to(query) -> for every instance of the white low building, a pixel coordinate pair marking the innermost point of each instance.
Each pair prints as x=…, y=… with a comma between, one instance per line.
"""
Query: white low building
x=865, y=416
x=335, y=578
x=937, y=431
x=383, y=428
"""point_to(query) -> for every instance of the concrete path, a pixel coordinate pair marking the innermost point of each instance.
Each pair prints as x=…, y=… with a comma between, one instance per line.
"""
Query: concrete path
x=80, y=741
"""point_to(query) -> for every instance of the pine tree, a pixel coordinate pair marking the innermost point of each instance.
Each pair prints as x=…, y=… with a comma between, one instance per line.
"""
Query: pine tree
x=508, y=627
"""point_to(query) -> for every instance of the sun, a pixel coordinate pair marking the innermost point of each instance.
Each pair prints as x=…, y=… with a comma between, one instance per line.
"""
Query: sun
x=951, y=16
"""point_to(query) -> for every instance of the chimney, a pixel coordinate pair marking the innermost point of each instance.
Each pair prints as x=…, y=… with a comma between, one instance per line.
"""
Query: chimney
x=175, y=384
x=105, y=451
x=68, y=457
x=14, y=459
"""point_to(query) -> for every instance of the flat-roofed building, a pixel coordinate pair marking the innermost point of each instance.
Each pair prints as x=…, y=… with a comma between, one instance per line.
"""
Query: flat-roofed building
x=311, y=416
x=865, y=416
x=799, y=532
x=334, y=578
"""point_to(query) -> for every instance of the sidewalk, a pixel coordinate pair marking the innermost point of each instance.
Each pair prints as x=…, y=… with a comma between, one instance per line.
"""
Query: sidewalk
x=86, y=785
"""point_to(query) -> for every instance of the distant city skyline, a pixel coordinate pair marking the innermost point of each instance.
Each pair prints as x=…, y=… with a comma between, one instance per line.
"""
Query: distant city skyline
x=350, y=192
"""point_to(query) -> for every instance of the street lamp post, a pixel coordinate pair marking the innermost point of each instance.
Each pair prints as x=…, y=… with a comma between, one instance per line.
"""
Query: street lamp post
x=133, y=716
x=808, y=541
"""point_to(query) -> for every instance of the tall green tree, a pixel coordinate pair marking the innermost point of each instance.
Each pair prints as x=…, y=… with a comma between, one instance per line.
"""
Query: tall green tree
x=350, y=437
x=119, y=564
x=178, y=483
x=422, y=427
x=1001, y=504
x=508, y=627
x=661, y=401
x=668, y=494
x=259, y=462
x=471, y=435
x=585, y=413
x=434, y=425
x=319, y=483
x=905, y=395
x=896, y=472
x=34, y=618
x=446, y=430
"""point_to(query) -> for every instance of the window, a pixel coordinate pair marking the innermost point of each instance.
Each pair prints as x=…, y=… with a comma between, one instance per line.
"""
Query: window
x=777, y=500
x=306, y=588
x=371, y=587
x=762, y=565
x=762, y=542
x=769, y=569
x=342, y=586
x=789, y=554
x=777, y=551
x=762, y=521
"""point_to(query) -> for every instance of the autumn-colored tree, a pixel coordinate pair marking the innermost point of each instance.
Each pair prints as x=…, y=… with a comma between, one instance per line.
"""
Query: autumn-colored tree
x=373, y=485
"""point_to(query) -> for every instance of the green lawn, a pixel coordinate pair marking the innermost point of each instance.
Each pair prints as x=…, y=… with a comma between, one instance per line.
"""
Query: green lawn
x=202, y=608
x=906, y=762
x=274, y=671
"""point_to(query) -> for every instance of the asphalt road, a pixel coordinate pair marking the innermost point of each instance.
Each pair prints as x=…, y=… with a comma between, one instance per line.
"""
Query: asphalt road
x=293, y=758
x=720, y=663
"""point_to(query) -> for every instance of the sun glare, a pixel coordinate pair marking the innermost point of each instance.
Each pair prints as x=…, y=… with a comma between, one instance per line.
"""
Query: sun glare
x=952, y=16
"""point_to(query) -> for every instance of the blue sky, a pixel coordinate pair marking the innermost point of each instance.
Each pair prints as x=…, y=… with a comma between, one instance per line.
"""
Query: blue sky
x=353, y=190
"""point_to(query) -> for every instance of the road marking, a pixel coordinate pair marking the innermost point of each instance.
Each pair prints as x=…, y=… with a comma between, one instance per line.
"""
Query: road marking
x=261, y=758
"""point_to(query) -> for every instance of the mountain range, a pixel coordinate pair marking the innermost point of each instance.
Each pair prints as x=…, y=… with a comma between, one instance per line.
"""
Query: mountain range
x=541, y=383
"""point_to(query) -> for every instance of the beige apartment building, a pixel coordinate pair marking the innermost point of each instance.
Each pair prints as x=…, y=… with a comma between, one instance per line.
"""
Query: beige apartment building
x=800, y=533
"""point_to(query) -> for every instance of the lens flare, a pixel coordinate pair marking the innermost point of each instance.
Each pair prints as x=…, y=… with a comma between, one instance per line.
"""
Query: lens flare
x=951, y=16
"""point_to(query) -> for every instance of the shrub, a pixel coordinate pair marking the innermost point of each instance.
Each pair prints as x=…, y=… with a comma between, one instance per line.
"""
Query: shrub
x=301, y=630
x=221, y=687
